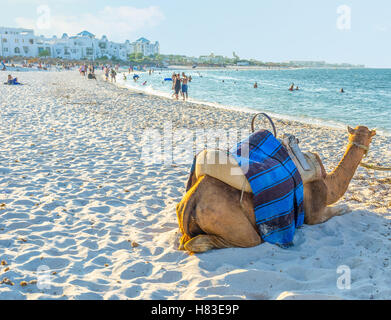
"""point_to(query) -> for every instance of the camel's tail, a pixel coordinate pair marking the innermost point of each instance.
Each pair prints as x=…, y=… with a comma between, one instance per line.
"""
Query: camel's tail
x=184, y=210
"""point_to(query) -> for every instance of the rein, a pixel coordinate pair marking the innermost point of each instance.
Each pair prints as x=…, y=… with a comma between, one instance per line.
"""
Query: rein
x=374, y=167
x=368, y=165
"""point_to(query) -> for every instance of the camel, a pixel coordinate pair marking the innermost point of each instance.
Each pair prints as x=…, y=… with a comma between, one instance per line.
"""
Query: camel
x=214, y=215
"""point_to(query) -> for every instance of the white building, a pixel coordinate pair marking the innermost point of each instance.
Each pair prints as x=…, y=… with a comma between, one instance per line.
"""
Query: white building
x=23, y=42
x=145, y=47
x=17, y=42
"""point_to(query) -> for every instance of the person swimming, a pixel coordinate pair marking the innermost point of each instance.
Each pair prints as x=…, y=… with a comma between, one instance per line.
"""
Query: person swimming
x=255, y=85
x=291, y=88
x=342, y=90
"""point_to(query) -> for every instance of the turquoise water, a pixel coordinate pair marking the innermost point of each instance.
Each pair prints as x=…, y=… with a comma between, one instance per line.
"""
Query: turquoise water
x=366, y=101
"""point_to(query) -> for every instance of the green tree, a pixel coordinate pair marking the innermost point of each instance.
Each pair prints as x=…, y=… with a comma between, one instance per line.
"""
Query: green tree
x=136, y=57
x=236, y=58
x=44, y=53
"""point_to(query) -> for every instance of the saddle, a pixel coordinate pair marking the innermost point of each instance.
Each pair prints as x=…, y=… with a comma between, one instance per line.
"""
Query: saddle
x=222, y=166
x=307, y=163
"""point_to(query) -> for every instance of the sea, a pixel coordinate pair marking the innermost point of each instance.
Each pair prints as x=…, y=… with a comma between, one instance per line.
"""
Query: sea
x=366, y=99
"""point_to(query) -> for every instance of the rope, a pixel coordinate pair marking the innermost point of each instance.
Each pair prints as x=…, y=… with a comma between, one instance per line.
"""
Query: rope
x=268, y=118
x=374, y=167
x=241, y=196
x=368, y=165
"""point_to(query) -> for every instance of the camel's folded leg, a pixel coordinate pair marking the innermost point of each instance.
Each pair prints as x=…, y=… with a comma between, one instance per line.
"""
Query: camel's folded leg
x=204, y=243
x=327, y=214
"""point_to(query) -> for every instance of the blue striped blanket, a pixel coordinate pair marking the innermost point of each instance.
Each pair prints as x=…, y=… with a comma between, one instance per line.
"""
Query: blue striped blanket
x=276, y=184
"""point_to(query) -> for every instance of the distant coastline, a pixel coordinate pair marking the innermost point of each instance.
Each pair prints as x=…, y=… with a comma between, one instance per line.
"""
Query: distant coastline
x=230, y=67
x=233, y=67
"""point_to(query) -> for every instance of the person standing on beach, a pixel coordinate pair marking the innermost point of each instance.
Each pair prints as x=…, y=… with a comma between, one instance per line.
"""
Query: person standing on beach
x=113, y=75
x=173, y=78
x=177, y=86
x=107, y=73
x=185, y=87
x=82, y=70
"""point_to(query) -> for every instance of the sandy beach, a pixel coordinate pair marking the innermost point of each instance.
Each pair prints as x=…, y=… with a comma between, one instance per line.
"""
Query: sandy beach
x=80, y=206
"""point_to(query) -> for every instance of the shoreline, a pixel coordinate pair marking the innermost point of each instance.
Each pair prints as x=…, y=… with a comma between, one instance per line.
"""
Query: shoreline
x=330, y=124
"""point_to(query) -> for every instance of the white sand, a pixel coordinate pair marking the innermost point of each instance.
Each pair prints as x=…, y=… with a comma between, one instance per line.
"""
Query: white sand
x=74, y=196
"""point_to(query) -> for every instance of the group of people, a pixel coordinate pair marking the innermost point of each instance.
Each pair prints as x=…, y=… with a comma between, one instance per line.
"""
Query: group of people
x=88, y=71
x=180, y=85
x=292, y=87
x=110, y=72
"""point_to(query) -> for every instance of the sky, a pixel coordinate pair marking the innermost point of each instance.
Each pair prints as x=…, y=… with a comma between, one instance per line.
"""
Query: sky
x=352, y=31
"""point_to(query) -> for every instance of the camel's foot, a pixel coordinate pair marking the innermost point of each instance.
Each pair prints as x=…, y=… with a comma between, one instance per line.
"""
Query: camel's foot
x=342, y=209
x=199, y=244
x=204, y=243
x=326, y=214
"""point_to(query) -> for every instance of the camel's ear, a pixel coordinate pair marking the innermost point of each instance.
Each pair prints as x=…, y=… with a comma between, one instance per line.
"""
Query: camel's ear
x=373, y=133
x=351, y=130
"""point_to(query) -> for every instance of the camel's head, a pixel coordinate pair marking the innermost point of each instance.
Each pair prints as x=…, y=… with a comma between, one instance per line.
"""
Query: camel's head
x=361, y=135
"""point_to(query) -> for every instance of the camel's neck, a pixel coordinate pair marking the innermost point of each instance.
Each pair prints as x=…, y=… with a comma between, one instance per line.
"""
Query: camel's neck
x=338, y=181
